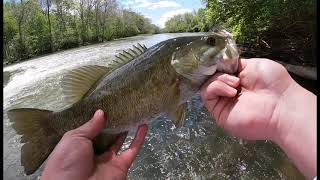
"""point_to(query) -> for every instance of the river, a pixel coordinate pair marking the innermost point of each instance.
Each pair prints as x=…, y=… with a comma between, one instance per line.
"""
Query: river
x=198, y=150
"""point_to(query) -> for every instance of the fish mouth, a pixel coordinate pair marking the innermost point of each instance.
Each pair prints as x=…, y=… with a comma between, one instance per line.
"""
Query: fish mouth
x=230, y=57
x=229, y=65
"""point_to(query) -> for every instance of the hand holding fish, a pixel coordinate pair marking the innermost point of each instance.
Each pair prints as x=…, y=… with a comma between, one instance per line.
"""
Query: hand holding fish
x=73, y=157
x=144, y=83
x=270, y=106
x=139, y=85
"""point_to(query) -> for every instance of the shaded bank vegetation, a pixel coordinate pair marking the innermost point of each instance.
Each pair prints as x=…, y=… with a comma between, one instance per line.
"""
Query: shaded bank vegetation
x=282, y=30
x=36, y=27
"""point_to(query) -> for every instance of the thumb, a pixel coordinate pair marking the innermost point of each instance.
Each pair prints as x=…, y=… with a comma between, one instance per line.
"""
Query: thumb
x=93, y=127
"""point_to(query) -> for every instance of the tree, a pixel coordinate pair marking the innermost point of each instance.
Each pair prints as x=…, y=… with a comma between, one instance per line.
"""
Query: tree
x=275, y=29
x=21, y=14
x=35, y=27
x=47, y=4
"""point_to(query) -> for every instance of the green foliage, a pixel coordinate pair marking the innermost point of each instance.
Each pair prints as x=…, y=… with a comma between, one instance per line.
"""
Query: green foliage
x=286, y=29
x=188, y=22
x=36, y=37
x=11, y=28
x=29, y=31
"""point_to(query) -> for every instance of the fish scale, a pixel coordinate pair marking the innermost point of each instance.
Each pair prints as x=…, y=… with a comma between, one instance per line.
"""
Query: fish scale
x=138, y=86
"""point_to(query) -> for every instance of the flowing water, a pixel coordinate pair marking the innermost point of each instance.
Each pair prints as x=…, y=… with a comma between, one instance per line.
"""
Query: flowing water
x=199, y=150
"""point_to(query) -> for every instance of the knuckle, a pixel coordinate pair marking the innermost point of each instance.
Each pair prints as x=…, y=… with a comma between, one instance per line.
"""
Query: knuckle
x=217, y=84
x=217, y=75
x=223, y=77
x=242, y=74
x=74, y=132
x=69, y=133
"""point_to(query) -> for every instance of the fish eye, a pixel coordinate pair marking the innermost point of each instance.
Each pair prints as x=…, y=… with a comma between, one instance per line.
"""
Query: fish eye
x=211, y=41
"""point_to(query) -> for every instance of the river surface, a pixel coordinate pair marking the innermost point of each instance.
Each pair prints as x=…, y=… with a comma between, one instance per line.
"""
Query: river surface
x=198, y=150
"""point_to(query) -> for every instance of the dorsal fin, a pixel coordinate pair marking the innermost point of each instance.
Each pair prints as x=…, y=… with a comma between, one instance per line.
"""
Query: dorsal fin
x=126, y=56
x=78, y=82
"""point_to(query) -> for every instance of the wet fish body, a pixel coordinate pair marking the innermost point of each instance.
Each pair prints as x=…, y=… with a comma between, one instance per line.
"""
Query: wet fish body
x=138, y=86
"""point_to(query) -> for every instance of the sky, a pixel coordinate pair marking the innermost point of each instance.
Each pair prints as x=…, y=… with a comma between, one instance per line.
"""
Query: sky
x=159, y=11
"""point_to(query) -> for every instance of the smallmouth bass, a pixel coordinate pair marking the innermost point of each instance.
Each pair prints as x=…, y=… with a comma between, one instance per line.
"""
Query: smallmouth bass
x=138, y=86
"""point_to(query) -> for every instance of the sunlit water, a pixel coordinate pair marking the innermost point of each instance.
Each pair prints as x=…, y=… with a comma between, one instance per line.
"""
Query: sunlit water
x=199, y=150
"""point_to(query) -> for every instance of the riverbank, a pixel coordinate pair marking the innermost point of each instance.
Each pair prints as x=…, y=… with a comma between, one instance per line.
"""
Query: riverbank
x=6, y=63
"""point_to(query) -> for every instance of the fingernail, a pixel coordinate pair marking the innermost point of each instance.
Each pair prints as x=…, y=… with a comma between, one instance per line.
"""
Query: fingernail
x=98, y=113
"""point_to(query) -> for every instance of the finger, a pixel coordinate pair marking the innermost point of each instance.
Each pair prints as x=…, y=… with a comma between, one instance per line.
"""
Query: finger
x=116, y=147
x=242, y=64
x=211, y=79
x=220, y=109
x=232, y=81
x=93, y=127
x=216, y=89
x=129, y=155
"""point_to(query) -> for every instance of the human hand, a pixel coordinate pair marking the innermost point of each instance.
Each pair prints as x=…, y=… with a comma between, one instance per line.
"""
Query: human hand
x=270, y=106
x=74, y=158
x=249, y=114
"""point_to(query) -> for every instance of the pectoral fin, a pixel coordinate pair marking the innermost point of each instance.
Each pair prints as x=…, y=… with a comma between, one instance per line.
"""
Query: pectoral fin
x=179, y=115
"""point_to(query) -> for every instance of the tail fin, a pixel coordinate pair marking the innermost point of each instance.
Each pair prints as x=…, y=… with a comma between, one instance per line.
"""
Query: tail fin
x=39, y=138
